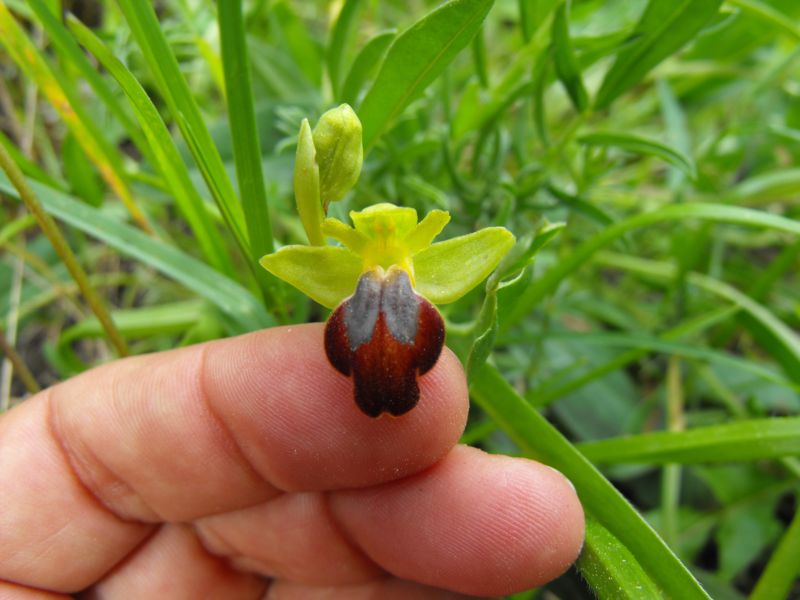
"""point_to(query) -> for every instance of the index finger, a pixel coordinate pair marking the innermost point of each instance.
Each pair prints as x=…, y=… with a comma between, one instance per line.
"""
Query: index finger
x=197, y=431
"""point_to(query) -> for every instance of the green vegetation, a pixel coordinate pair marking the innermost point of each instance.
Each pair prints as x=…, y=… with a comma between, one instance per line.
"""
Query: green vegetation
x=642, y=335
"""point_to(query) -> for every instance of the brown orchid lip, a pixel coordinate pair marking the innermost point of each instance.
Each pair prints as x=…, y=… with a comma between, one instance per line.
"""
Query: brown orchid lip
x=384, y=335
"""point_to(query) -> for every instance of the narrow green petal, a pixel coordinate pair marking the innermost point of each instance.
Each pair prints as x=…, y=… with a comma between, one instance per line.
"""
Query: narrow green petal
x=353, y=240
x=427, y=229
x=306, y=186
x=328, y=274
x=448, y=270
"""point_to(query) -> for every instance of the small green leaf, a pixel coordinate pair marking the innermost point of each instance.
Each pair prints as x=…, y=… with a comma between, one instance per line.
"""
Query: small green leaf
x=416, y=59
x=327, y=274
x=641, y=145
x=664, y=28
x=448, y=270
x=567, y=68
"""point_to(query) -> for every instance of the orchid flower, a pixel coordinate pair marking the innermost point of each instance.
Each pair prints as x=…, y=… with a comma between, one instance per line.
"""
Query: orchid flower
x=383, y=278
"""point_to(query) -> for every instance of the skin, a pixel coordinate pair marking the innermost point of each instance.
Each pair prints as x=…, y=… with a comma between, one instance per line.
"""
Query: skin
x=241, y=468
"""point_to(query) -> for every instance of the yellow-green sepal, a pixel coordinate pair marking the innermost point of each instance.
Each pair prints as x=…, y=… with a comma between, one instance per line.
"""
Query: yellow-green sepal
x=307, y=186
x=447, y=270
x=327, y=274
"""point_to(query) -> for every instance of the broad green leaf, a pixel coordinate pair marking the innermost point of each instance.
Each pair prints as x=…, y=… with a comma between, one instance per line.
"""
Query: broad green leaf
x=327, y=274
x=341, y=41
x=754, y=439
x=232, y=299
x=664, y=28
x=365, y=65
x=610, y=568
x=538, y=439
x=167, y=158
x=243, y=126
x=641, y=145
x=448, y=270
x=415, y=60
x=567, y=68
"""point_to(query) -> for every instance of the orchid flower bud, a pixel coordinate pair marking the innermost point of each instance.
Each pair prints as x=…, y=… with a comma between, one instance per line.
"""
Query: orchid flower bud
x=340, y=154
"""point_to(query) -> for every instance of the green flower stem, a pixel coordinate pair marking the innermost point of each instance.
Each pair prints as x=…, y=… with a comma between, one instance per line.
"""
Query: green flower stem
x=50, y=229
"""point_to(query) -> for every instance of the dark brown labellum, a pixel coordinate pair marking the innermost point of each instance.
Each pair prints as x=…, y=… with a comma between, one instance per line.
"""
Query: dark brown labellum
x=384, y=335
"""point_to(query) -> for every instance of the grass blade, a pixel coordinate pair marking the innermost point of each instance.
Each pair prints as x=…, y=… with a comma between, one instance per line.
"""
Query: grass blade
x=48, y=226
x=641, y=145
x=365, y=65
x=341, y=40
x=567, y=68
x=550, y=281
x=610, y=568
x=65, y=100
x=665, y=27
x=172, y=85
x=72, y=54
x=244, y=129
x=415, y=60
x=783, y=567
x=540, y=440
x=167, y=158
x=754, y=439
x=232, y=299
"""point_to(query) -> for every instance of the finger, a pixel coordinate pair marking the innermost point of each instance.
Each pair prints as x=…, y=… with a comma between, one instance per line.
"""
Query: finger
x=203, y=430
x=292, y=537
x=475, y=523
x=173, y=564
x=9, y=591
x=385, y=589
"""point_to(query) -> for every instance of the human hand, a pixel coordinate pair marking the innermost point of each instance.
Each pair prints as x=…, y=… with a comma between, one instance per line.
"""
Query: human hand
x=242, y=468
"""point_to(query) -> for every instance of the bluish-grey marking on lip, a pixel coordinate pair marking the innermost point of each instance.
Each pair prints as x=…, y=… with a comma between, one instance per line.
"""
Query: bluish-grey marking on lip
x=400, y=306
x=361, y=311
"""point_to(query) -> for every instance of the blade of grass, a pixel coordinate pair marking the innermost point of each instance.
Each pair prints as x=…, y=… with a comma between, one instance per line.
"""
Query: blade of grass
x=671, y=473
x=777, y=337
x=610, y=569
x=233, y=300
x=244, y=129
x=342, y=37
x=51, y=230
x=167, y=158
x=550, y=281
x=65, y=101
x=641, y=145
x=754, y=439
x=365, y=64
x=415, y=60
x=540, y=440
x=71, y=52
x=783, y=567
x=768, y=14
x=567, y=67
x=665, y=27
x=172, y=85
